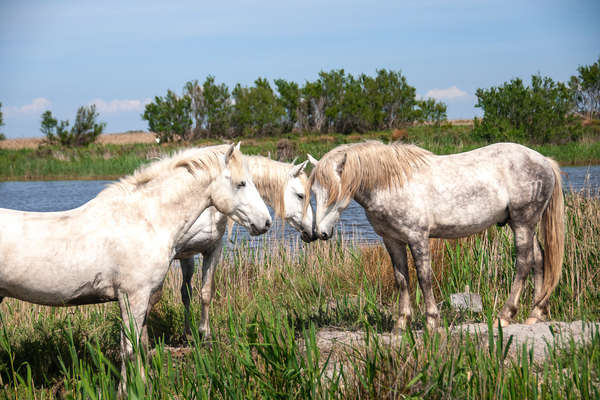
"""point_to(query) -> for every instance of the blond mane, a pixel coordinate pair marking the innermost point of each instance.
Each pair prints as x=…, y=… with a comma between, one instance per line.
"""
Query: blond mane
x=270, y=177
x=204, y=160
x=369, y=165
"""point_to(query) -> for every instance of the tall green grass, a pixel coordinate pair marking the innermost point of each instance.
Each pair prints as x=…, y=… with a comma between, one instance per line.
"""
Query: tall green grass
x=270, y=305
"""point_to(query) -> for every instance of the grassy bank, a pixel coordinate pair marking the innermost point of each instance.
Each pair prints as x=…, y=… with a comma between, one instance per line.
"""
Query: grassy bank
x=111, y=161
x=269, y=305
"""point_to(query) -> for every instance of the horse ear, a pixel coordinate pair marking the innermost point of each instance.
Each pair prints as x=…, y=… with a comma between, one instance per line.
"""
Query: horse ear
x=297, y=169
x=342, y=164
x=294, y=160
x=312, y=160
x=229, y=153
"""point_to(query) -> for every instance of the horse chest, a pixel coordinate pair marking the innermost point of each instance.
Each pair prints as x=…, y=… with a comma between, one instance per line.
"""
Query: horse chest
x=386, y=225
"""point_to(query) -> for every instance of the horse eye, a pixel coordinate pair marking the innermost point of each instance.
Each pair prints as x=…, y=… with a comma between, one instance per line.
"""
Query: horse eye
x=300, y=196
x=241, y=184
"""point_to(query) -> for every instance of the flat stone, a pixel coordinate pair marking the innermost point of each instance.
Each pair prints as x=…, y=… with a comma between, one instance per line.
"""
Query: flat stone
x=466, y=302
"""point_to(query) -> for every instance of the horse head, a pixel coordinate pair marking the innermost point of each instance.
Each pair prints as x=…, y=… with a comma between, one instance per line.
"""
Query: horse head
x=234, y=194
x=293, y=199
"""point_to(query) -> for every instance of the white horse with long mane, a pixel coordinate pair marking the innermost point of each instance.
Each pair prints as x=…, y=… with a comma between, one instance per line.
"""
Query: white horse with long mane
x=91, y=254
x=281, y=185
x=410, y=195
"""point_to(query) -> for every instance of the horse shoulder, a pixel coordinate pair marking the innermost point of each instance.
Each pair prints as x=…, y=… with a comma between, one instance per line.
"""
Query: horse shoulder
x=402, y=213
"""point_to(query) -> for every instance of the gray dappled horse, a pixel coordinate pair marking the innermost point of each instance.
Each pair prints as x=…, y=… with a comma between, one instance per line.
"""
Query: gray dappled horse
x=410, y=195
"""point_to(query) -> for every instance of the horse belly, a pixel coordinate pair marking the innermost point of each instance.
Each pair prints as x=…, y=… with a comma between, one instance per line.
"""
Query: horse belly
x=469, y=210
x=55, y=289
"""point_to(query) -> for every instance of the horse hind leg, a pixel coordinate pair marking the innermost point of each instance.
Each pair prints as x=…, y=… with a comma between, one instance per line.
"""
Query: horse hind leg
x=187, y=271
x=540, y=311
x=397, y=252
x=209, y=265
x=523, y=238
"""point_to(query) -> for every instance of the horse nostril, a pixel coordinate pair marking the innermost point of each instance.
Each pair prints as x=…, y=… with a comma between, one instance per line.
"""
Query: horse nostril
x=268, y=223
x=324, y=236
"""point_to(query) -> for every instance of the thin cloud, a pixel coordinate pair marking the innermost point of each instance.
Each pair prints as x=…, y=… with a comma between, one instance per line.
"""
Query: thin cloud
x=119, y=105
x=37, y=105
x=450, y=93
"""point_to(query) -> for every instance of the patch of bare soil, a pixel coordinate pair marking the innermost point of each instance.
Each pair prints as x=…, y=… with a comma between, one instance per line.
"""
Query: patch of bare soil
x=108, y=138
x=22, y=143
x=127, y=138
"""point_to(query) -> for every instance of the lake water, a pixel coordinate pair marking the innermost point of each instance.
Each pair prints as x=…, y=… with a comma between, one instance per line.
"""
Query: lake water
x=65, y=195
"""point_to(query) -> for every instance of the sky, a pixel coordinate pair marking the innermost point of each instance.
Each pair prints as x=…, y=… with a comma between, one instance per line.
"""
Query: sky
x=58, y=55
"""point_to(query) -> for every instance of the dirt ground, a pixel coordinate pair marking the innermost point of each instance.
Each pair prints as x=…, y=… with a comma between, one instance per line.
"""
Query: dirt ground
x=108, y=138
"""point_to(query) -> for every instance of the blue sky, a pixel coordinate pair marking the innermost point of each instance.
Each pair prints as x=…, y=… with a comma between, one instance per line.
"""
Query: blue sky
x=58, y=55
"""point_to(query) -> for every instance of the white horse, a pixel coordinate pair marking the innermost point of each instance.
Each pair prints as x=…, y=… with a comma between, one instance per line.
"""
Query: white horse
x=281, y=185
x=410, y=195
x=91, y=254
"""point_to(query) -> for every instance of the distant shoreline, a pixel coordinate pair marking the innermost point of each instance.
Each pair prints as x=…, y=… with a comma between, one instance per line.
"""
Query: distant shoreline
x=107, y=138
x=118, y=154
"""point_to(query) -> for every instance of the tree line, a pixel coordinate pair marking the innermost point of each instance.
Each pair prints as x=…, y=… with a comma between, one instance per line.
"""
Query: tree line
x=541, y=112
x=334, y=102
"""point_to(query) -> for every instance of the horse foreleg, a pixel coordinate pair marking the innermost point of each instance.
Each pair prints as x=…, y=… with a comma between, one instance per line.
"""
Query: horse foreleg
x=524, y=246
x=420, y=252
x=209, y=264
x=540, y=311
x=154, y=298
x=134, y=308
x=397, y=252
x=187, y=271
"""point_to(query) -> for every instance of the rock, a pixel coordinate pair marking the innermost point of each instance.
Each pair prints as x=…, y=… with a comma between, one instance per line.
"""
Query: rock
x=466, y=302
x=339, y=346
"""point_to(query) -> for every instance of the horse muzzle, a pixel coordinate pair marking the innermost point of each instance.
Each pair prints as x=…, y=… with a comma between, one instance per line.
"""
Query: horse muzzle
x=256, y=230
x=308, y=237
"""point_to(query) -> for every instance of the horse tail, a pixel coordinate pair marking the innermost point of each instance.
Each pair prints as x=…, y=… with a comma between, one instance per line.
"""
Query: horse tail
x=553, y=230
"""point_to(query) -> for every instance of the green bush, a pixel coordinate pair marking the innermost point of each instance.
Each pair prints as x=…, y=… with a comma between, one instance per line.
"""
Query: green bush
x=85, y=129
x=2, y=137
x=430, y=110
x=586, y=87
x=210, y=107
x=256, y=110
x=170, y=117
x=540, y=113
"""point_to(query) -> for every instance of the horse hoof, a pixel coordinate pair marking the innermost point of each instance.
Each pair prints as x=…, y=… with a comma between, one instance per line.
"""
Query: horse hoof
x=532, y=320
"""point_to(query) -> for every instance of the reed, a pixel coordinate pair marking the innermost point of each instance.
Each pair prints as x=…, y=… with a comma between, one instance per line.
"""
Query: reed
x=270, y=302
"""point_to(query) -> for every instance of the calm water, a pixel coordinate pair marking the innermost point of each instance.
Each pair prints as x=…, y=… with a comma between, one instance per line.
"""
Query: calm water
x=65, y=195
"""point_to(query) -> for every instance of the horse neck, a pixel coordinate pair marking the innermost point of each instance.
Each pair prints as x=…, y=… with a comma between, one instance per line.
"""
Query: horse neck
x=268, y=177
x=172, y=204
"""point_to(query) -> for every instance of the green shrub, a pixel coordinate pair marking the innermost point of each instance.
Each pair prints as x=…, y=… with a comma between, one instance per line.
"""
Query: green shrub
x=540, y=113
x=586, y=87
x=170, y=117
x=2, y=137
x=85, y=129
